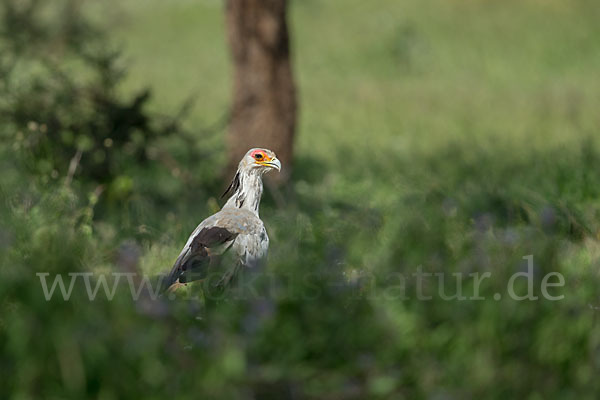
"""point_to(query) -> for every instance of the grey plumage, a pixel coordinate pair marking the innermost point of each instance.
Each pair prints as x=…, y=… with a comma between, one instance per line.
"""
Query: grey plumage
x=236, y=228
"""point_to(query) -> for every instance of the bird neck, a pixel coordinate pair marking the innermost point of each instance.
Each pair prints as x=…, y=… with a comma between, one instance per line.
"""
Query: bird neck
x=247, y=190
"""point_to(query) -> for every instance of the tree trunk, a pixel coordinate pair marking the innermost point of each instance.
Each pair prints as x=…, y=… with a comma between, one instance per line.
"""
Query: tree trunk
x=264, y=95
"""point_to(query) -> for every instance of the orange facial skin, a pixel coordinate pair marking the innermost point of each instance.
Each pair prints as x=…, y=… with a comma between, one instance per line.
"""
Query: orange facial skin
x=260, y=156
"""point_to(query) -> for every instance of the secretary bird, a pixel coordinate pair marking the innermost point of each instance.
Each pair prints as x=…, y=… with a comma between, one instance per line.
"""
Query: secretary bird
x=236, y=227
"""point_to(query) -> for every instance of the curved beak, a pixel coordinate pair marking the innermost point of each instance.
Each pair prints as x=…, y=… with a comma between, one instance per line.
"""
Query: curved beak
x=274, y=163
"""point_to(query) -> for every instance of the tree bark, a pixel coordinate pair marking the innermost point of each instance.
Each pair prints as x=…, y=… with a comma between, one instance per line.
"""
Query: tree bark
x=264, y=95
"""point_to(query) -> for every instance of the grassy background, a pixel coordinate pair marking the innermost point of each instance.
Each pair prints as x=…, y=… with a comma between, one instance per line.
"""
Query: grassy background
x=457, y=136
x=446, y=70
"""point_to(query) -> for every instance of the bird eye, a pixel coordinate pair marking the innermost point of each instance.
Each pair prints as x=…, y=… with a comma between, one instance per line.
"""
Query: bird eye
x=258, y=156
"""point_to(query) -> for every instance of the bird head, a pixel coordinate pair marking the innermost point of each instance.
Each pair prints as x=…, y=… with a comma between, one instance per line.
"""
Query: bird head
x=260, y=160
x=247, y=179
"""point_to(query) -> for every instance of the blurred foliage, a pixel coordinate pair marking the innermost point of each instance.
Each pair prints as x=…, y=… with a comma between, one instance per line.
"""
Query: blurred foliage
x=451, y=180
x=61, y=110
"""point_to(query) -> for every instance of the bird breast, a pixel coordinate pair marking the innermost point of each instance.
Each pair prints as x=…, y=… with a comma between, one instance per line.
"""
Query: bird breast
x=251, y=248
x=252, y=241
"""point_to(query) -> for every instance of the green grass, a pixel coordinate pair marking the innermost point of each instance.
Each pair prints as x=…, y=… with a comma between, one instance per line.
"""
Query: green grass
x=402, y=76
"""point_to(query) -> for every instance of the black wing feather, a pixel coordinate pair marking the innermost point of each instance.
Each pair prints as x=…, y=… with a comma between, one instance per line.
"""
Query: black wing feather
x=191, y=265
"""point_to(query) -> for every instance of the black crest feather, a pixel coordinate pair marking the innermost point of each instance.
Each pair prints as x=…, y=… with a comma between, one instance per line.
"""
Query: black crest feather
x=233, y=186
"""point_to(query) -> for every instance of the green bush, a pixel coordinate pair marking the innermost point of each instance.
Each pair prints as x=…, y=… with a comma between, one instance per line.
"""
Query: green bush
x=63, y=116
